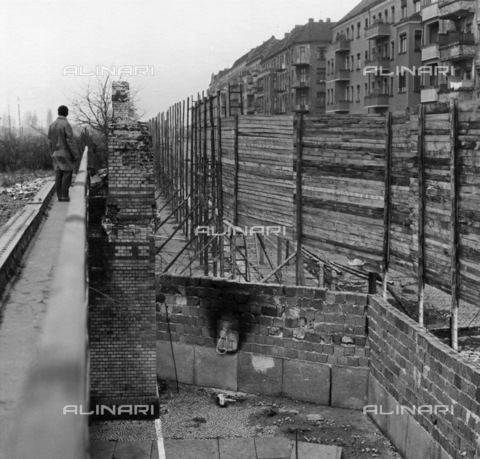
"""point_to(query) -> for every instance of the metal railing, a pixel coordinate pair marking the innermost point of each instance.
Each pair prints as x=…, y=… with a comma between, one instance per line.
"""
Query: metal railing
x=59, y=375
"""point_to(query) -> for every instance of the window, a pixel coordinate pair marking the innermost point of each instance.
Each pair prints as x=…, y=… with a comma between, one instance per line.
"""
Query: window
x=320, y=75
x=386, y=16
x=417, y=6
x=416, y=83
x=352, y=66
x=358, y=29
x=402, y=83
x=403, y=44
x=393, y=14
x=404, y=11
x=302, y=53
x=366, y=89
x=351, y=94
x=303, y=75
x=320, y=53
x=366, y=56
x=359, y=64
x=392, y=50
x=302, y=99
x=418, y=40
x=358, y=93
x=320, y=99
x=366, y=23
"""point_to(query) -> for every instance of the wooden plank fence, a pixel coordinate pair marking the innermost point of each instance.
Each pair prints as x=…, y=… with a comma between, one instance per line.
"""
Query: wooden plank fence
x=399, y=192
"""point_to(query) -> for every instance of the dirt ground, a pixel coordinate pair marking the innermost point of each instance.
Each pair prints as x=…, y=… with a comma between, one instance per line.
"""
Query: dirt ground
x=194, y=413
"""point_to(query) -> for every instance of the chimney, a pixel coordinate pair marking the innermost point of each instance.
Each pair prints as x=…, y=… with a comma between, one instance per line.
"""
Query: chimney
x=310, y=20
x=320, y=21
x=286, y=35
x=328, y=19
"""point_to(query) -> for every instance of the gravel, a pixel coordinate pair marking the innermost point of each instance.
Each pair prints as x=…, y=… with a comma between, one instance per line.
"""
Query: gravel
x=123, y=431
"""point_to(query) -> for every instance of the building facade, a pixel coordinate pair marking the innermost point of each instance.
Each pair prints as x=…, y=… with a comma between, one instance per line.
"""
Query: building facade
x=372, y=60
x=450, y=49
x=280, y=76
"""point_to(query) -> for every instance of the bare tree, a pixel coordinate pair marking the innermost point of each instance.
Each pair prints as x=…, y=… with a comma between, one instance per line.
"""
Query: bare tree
x=92, y=105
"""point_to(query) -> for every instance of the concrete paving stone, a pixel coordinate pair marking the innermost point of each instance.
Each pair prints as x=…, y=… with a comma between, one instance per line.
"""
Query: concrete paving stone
x=306, y=381
x=184, y=360
x=237, y=448
x=215, y=370
x=316, y=451
x=349, y=387
x=273, y=448
x=102, y=449
x=191, y=449
x=133, y=450
x=259, y=374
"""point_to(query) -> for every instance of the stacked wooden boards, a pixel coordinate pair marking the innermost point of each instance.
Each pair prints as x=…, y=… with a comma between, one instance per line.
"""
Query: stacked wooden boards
x=343, y=184
x=264, y=169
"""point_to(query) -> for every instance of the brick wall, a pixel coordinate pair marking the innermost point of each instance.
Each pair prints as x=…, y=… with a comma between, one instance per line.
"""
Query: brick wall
x=410, y=367
x=122, y=306
x=303, y=335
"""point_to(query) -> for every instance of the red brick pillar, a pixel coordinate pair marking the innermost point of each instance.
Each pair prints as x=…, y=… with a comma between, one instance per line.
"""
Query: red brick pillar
x=122, y=307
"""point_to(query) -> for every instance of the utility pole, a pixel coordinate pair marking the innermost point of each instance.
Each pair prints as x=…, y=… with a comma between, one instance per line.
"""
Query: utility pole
x=19, y=119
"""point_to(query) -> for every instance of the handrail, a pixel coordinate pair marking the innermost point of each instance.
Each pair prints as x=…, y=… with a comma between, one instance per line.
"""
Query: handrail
x=59, y=375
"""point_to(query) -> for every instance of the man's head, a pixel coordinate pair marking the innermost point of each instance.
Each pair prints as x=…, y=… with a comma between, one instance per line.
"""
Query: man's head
x=62, y=110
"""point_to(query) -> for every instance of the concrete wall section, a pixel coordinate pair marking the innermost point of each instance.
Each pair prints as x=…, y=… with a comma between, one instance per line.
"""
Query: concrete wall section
x=293, y=340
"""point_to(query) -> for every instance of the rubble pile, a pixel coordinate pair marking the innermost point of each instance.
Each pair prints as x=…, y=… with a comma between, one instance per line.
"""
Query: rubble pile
x=23, y=191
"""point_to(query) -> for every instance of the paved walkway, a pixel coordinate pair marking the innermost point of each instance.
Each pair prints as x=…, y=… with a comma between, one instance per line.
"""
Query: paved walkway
x=22, y=313
x=231, y=448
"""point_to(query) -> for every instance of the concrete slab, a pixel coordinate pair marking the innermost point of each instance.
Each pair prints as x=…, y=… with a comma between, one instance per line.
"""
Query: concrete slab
x=102, y=449
x=377, y=397
x=259, y=374
x=306, y=381
x=349, y=387
x=236, y=448
x=419, y=444
x=316, y=451
x=133, y=450
x=273, y=448
x=184, y=360
x=396, y=426
x=191, y=449
x=215, y=370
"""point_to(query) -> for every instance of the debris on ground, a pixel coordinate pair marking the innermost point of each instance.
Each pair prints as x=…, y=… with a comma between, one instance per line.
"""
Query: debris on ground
x=183, y=414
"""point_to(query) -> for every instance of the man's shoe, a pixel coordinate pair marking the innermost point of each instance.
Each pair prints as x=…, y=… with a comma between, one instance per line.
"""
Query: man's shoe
x=67, y=199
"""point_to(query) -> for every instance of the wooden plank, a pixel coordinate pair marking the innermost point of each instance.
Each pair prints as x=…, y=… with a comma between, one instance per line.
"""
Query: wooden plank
x=299, y=273
x=421, y=214
x=454, y=224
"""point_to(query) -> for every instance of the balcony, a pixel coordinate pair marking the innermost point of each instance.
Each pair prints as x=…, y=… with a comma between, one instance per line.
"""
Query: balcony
x=302, y=108
x=456, y=84
x=454, y=9
x=430, y=10
x=339, y=106
x=378, y=30
x=377, y=100
x=301, y=82
x=341, y=75
x=430, y=52
x=340, y=46
x=382, y=64
x=301, y=55
x=456, y=46
x=428, y=95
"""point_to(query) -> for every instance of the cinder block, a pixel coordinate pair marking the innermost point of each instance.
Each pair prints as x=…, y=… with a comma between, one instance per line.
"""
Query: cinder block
x=259, y=374
x=215, y=370
x=184, y=360
x=349, y=387
x=307, y=381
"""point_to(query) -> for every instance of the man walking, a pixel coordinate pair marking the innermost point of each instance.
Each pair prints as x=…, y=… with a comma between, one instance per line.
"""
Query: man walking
x=63, y=151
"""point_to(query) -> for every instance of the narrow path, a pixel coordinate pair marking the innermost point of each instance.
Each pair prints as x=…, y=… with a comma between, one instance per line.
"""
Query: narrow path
x=23, y=310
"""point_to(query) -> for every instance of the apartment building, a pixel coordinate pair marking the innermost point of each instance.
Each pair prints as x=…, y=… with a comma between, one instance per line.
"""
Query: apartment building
x=282, y=76
x=372, y=61
x=451, y=37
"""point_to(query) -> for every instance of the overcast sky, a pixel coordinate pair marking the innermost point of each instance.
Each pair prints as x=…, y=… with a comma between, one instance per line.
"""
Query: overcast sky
x=182, y=41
